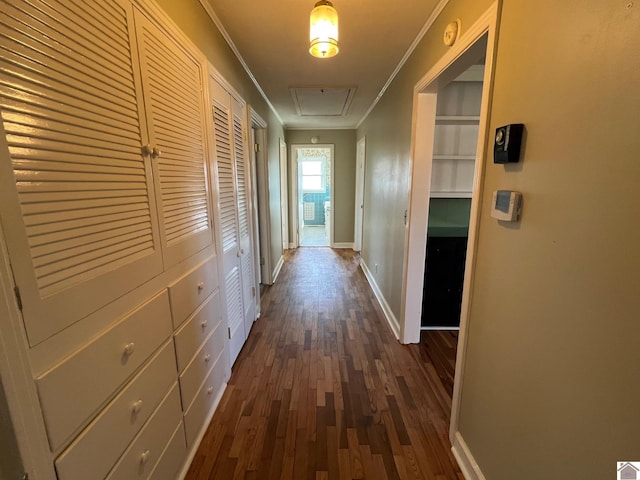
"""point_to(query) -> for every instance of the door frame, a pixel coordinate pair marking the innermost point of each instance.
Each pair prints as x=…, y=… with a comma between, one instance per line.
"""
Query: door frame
x=284, y=202
x=262, y=214
x=450, y=65
x=294, y=190
x=361, y=159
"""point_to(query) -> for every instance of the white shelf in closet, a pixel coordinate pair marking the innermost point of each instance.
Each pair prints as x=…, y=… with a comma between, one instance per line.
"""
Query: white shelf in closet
x=473, y=119
x=453, y=157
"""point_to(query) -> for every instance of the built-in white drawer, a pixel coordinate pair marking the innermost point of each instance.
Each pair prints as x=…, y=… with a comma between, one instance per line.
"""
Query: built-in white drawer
x=173, y=458
x=99, y=446
x=74, y=390
x=195, y=330
x=195, y=373
x=206, y=398
x=191, y=290
x=139, y=460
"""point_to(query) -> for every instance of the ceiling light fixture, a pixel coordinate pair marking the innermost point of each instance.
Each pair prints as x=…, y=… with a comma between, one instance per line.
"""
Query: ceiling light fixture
x=323, y=31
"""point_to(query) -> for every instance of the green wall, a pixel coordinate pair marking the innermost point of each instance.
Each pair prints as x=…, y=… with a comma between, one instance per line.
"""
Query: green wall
x=344, y=173
x=550, y=387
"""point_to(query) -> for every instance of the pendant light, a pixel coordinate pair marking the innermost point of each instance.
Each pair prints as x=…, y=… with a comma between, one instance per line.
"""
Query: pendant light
x=323, y=31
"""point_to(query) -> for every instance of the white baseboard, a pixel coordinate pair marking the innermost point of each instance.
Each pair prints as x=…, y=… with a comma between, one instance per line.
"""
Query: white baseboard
x=276, y=271
x=388, y=314
x=466, y=462
x=343, y=245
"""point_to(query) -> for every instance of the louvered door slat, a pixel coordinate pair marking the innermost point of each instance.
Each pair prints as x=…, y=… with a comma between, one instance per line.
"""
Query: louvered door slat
x=226, y=187
x=70, y=110
x=89, y=42
x=174, y=106
x=72, y=117
x=45, y=55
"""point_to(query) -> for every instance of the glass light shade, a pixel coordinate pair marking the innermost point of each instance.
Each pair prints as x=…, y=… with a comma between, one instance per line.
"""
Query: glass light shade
x=323, y=31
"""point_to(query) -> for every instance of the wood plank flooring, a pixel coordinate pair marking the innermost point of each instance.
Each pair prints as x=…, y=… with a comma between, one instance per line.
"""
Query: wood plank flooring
x=322, y=390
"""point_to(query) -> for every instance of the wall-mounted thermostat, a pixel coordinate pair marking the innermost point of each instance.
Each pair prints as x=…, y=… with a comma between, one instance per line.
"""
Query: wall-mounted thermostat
x=506, y=205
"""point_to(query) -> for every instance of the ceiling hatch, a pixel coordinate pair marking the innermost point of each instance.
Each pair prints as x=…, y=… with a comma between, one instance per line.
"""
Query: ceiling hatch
x=322, y=101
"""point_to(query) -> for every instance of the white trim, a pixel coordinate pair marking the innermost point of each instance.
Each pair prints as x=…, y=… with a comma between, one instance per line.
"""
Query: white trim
x=386, y=309
x=196, y=443
x=17, y=382
x=318, y=128
x=343, y=245
x=284, y=191
x=276, y=271
x=214, y=18
x=468, y=466
x=488, y=22
x=427, y=25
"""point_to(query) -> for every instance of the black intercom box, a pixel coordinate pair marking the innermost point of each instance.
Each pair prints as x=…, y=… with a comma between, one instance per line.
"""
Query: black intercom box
x=507, y=143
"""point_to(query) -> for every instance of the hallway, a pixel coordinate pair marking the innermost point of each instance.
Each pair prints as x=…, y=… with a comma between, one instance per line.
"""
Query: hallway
x=322, y=390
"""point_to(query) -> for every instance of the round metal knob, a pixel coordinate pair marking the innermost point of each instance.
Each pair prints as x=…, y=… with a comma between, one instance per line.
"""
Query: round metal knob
x=204, y=324
x=137, y=406
x=201, y=286
x=209, y=390
x=207, y=357
x=129, y=348
x=144, y=458
x=146, y=150
x=156, y=152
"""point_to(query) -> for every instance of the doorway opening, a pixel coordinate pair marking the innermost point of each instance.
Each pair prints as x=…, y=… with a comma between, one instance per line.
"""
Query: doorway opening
x=448, y=180
x=312, y=167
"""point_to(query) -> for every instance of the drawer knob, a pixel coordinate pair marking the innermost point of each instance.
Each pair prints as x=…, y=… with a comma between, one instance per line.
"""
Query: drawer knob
x=209, y=390
x=201, y=286
x=204, y=324
x=129, y=348
x=137, y=406
x=144, y=458
x=207, y=357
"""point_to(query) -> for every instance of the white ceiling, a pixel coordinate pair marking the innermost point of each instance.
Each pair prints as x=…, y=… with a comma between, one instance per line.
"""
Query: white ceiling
x=272, y=37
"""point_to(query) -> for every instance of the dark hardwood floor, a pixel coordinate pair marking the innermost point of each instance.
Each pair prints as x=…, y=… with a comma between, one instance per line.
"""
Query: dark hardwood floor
x=322, y=390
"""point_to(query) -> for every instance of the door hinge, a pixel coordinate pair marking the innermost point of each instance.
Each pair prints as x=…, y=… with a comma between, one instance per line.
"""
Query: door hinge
x=16, y=290
x=262, y=261
x=25, y=477
x=256, y=147
x=253, y=292
x=229, y=332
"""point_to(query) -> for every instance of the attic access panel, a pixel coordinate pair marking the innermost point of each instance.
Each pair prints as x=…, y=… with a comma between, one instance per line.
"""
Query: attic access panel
x=322, y=101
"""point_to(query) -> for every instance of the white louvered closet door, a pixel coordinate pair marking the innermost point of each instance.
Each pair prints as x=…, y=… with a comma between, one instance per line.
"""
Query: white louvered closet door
x=174, y=105
x=244, y=219
x=76, y=193
x=229, y=232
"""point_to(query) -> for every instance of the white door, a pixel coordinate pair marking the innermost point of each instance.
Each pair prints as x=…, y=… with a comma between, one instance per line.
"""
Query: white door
x=283, y=195
x=243, y=196
x=359, y=214
x=228, y=213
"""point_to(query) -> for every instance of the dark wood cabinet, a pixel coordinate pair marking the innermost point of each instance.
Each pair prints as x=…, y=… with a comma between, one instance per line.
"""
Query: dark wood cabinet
x=443, y=280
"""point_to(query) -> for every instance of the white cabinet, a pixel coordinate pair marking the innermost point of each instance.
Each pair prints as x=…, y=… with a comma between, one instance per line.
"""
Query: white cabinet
x=105, y=202
x=456, y=137
x=231, y=165
x=105, y=184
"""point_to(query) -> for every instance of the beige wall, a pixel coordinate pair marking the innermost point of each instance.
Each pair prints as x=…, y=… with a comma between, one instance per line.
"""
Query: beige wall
x=551, y=385
x=344, y=176
x=192, y=19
